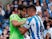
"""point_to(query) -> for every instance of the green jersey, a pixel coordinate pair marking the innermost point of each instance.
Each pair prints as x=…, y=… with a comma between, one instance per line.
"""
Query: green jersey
x=14, y=31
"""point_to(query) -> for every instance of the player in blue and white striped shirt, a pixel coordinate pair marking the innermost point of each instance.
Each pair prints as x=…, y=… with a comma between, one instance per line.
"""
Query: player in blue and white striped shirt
x=32, y=24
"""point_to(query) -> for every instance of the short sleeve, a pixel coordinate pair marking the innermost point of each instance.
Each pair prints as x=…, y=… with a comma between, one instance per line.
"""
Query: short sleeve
x=15, y=17
x=27, y=24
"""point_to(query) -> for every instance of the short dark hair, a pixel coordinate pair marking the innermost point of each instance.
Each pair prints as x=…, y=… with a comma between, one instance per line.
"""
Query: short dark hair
x=32, y=6
x=21, y=7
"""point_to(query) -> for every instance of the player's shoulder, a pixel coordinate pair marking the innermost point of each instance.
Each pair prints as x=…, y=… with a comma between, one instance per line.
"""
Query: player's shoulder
x=30, y=19
x=13, y=15
x=36, y=16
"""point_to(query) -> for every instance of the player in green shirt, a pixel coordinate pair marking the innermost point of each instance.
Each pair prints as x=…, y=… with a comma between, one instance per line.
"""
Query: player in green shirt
x=15, y=23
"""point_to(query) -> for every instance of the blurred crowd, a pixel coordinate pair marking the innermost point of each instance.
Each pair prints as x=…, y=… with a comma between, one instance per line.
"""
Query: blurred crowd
x=43, y=9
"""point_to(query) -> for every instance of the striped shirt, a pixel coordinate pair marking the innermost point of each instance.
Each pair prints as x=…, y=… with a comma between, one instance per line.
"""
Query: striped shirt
x=33, y=24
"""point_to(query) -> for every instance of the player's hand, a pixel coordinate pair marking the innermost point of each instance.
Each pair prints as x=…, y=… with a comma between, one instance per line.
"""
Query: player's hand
x=23, y=22
x=22, y=30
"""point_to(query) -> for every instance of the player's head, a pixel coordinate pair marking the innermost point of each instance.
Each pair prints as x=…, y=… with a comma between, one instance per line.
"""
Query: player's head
x=23, y=11
x=19, y=10
x=31, y=10
x=46, y=13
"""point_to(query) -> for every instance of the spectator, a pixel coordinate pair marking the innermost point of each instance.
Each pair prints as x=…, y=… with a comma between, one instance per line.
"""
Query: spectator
x=2, y=12
x=44, y=0
x=27, y=1
x=8, y=11
x=11, y=6
x=31, y=2
x=15, y=4
x=47, y=1
x=41, y=1
x=49, y=33
x=20, y=2
x=47, y=29
x=2, y=37
x=50, y=23
x=15, y=10
x=7, y=28
x=46, y=14
x=50, y=3
x=24, y=3
x=5, y=23
x=38, y=7
x=40, y=14
x=5, y=34
x=1, y=4
x=45, y=21
x=35, y=1
x=44, y=7
x=50, y=11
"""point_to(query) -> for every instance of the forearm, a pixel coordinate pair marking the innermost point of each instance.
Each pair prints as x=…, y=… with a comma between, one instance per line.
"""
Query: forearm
x=23, y=30
x=17, y=24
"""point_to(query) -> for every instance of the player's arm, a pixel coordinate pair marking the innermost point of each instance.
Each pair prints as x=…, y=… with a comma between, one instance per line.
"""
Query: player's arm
x=16, y=23
x=25, y=28
x=14, y=20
